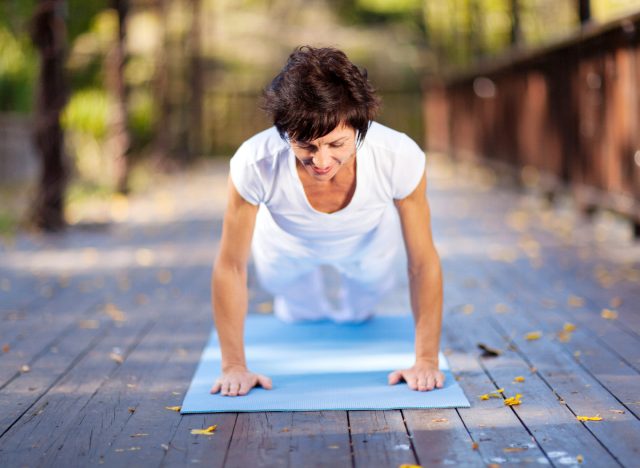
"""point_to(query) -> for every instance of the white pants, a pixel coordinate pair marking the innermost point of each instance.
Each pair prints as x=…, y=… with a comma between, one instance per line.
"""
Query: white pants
x=365, y=277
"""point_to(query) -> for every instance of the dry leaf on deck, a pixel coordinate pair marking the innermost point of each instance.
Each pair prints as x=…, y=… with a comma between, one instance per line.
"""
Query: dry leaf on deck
x=173, y=408
x=488, y=351
x=209, y=430
x=589, y=418
x=116, y=357
x=494, y=394
x=518, y=378
x=575, y=301
x=609, y=314
x=534, y=335
x=515, y=400
x=116, y=314
x=615, y=302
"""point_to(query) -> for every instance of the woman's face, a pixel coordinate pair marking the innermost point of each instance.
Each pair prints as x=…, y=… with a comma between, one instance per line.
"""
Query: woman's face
x=323, y=157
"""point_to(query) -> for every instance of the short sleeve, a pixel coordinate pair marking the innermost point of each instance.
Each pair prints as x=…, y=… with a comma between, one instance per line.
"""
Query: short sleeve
x=245, y=175
x=408, y=168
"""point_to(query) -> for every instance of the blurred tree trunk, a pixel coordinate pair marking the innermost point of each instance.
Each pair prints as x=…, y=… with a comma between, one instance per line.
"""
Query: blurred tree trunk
x=516, y=25
x=119, y=137
x=196, y=79
x=49, y=34
x=162, y=140
x=584, y=11
x=475, y=30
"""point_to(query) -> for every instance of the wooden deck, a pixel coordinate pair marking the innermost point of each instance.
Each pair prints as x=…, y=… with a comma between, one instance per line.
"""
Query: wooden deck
x=101, y=329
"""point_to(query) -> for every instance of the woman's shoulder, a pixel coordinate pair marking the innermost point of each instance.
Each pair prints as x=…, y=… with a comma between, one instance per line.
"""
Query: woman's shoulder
x=382, y=137
x=264, y=146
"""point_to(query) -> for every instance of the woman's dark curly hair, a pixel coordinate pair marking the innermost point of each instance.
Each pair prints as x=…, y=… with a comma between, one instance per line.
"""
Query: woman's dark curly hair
x=317, y=89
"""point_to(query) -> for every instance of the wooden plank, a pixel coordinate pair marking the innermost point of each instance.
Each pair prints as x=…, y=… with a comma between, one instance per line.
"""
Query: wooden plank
x=582, y=393
x=610, y=356
x=31, y=340
x=380, y=439
x=491, y=424
x=36, y=433
x=142, y=383
x=290, y=439
x=19, y=394
x=440, y=438
x=553, y=427
x=186, y=449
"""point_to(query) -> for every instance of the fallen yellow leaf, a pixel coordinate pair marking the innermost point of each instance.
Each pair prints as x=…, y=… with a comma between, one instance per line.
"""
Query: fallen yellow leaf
x=519, y=378
x=116, y=314
x=589, y=418
x=407, y=465
x=615, y=302
x=533, y=335
x=494, y=394
x=173, y=408
x=579, y=458
x=564, y=336
x=575, y=301
x=164, y=276
x=511, y=401
x=207, y=431
x=609, y=314
x=474, y=445
x=569, y=327
x=116, y=357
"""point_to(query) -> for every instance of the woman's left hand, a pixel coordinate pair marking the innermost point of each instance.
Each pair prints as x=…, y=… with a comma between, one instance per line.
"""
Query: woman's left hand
x=420, y=376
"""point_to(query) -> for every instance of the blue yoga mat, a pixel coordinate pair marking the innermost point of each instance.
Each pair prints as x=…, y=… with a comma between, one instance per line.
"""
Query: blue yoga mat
x=322, y=366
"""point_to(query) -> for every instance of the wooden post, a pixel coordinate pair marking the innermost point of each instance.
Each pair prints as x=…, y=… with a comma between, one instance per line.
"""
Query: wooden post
x=119, y=137
x=516, y=26
x=196, y=80
x=584, y=11
x=49, y=34
x=162, y=140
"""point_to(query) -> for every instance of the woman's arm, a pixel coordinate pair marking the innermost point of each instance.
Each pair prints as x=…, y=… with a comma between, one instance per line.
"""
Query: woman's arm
x=229, y=296
x=425, y=283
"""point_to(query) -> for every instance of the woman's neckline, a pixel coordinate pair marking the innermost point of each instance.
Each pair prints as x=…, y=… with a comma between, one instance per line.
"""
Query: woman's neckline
x=303, y=194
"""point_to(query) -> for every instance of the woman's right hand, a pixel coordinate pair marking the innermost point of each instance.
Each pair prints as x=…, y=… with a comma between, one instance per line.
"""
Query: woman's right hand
x=237, y=381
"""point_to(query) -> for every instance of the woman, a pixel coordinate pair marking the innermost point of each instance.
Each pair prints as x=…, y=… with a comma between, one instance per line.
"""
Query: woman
x=325, y=185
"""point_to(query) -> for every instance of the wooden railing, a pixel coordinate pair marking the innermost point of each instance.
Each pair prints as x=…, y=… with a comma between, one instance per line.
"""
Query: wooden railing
x=570, y=111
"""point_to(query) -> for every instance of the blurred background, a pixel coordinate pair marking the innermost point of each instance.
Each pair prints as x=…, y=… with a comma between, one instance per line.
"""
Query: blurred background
x=99, y=97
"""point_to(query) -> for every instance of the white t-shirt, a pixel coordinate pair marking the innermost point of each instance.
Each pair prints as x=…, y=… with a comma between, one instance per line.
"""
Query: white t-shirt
x=263, y=170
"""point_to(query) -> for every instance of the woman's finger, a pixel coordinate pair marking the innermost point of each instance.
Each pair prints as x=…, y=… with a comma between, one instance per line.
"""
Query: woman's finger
x=422, y=383
x=394, y=377
x=233, y=388
x=216, y=387
x=431, y=381
x=412, y=382
x=265, y=382
x=245, y=386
